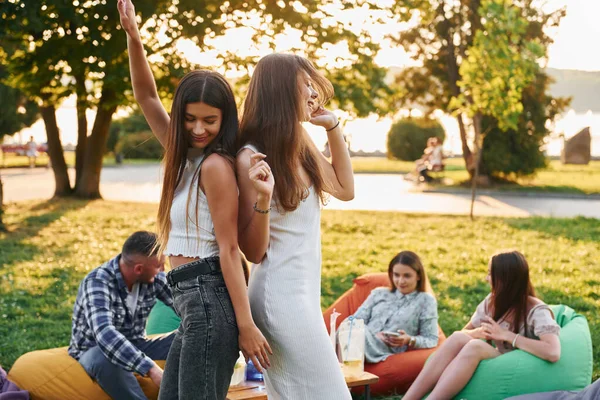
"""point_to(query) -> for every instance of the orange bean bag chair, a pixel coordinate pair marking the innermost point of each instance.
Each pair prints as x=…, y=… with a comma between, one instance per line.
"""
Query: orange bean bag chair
x=54, y=375
x=398, y=371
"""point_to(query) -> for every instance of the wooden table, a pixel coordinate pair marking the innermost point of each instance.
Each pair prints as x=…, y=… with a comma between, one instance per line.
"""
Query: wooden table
x=366, y=379
x=257, y=391
x=247, y=390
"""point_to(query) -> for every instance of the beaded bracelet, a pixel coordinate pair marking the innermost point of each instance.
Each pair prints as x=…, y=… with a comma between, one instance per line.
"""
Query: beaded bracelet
x=258, y=210
x=335, y=126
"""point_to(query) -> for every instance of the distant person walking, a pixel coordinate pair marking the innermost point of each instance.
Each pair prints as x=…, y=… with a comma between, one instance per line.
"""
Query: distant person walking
x=31, y=151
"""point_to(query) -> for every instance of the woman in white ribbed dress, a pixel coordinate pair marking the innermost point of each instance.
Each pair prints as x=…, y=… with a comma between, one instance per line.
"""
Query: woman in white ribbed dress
x=283, y=180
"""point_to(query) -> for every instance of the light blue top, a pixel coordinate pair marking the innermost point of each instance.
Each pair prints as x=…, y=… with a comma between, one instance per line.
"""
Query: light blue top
x=415, y=313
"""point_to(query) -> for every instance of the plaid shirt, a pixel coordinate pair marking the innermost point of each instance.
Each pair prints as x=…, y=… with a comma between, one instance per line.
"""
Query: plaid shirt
x=101, y=316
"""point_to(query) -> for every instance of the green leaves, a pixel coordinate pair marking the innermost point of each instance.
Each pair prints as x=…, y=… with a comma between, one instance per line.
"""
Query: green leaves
x=496, y=44
x=500, y=64
x=57, y=42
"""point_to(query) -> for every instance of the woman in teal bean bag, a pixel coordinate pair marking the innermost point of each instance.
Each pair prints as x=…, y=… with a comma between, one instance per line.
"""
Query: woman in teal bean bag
x=510, y=317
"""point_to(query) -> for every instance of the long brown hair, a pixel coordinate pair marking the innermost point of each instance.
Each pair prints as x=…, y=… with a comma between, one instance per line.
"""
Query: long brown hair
x=199, y=86
x=271, y=121
x=413, y=261
x=511, y=288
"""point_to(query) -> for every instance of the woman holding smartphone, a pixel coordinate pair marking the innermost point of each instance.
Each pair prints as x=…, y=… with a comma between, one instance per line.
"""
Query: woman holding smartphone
x=403, y=316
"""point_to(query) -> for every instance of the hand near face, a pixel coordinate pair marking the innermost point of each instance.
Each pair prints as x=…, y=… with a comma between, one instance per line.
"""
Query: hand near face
x=260, y=174
x=324, y=118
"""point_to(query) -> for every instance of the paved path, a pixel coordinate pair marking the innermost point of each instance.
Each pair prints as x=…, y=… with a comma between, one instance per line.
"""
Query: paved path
x=373, y=192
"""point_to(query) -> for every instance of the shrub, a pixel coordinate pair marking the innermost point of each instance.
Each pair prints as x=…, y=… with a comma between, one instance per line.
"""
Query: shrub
x=119, y=128
x=139, y=145
x=512, y=154
x=518, y=153
x=408, y=137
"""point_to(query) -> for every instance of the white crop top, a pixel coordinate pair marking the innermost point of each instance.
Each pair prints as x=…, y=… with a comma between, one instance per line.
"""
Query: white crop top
x=187, y=238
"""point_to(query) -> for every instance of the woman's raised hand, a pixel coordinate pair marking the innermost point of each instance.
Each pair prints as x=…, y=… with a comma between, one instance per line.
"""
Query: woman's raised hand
x=127, y=14
x=261, y=176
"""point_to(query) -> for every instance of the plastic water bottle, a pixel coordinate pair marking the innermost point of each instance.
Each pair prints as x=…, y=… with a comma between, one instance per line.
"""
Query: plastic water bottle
x=252, y=373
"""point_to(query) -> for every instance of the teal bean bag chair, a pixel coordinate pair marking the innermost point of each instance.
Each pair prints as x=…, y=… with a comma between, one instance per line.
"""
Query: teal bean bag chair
x=519, y=372
x=162, y=319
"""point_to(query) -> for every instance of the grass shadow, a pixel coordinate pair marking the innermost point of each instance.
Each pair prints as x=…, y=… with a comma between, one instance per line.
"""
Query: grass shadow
x=576, y=302
x=49, y=248
x=540, y=188
x=21, y=229
x=34, y=318
x=577, y=229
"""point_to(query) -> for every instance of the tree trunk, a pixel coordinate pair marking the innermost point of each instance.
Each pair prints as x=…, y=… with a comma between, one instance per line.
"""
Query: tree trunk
x=477, y=128
x=89, y=185
x=81, y=131
x=453, y=78
x=466, y=151
x=2, y=227
x=55, y=152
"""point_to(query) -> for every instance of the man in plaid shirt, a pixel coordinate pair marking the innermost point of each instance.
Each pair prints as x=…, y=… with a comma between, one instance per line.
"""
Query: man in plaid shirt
x=109, y=318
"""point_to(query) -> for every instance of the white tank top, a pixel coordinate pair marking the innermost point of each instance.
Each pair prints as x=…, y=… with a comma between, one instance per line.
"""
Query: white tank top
x=188, y=238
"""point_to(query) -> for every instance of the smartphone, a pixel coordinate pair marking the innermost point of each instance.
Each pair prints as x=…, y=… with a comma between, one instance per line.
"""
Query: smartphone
x=391, y=334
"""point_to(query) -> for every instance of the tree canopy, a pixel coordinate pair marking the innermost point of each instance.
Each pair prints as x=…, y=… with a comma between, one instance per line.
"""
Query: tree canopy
x=453, y=39
x=77, y=47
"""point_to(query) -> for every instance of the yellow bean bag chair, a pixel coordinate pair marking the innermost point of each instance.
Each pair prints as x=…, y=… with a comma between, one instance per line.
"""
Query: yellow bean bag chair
x=54, y=375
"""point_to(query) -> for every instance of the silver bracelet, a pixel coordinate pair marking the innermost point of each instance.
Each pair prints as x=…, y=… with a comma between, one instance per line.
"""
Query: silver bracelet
x=258, y=210
x=514, y=342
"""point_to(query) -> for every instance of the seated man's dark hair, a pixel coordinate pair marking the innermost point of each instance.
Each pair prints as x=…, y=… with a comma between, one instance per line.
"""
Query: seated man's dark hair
x=141, y=243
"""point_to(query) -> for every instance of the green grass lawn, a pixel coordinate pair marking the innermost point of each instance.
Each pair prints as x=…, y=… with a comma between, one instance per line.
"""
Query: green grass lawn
x=52, y=245
x=556, y=178
x=382, y=165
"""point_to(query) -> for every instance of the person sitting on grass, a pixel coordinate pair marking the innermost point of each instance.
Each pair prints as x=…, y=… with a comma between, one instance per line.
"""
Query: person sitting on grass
x=402, y=317
x=109, y=318
x=510, y=317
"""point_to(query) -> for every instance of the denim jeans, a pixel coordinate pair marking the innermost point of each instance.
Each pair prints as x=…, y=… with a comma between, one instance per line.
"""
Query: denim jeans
x=205, y=348
x=118, y=383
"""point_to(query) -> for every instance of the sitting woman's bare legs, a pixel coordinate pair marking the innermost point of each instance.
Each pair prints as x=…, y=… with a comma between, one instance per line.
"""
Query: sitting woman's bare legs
x=461, y=369
x=436, y=365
